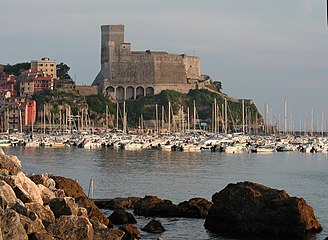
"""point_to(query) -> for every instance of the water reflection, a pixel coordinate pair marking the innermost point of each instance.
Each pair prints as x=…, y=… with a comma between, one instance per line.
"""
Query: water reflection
x=179, y=176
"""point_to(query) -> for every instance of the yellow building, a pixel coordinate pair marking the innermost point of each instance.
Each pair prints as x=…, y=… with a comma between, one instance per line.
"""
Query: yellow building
x=46, y=66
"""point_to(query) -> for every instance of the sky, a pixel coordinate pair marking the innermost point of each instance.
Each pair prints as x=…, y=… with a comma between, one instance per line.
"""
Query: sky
x=271, y=51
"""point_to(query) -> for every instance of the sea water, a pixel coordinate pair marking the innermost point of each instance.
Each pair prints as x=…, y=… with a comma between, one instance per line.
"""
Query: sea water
x=179, y=176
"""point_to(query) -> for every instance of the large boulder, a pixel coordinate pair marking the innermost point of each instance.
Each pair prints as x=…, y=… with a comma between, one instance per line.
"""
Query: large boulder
x=42, y=211
x=9, y=164
x=73, y=189
x=11, y=226
x=31, y=222
x=25, y=189
x=101, y=232
x=7, y=195
x=119, y=216
x=47, y=194
x=154, y=226
x=118, y=203
x=253, y=209
x=156, y=207
x=195, y=208
x=40, y=236
x=63, y=206
x=71, y=228
x=44, y=179
x=131, y=232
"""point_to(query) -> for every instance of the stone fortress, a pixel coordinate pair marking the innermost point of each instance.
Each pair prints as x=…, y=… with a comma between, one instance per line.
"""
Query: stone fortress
x=127, y=74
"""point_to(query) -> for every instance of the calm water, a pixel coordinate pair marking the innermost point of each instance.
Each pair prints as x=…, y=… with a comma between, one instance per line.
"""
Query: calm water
x=179, y=176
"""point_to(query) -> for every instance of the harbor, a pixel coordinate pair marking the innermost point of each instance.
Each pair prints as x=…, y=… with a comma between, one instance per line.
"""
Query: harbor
x=198, y=141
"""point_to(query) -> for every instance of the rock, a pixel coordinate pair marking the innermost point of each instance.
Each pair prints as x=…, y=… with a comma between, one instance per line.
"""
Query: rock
x=156, y=207
x=154, y=226
x=59, y=193
x=82, y=212
x=131, y=232
x=47, y=194
x=108, y=234
x=7, y=195
x=71, y=228
x=10, y=163
x=24, y=211
x=40, y=236
x=42, y=211
x=101, y=231
x=118, y=203
x=44, y=179
x=11, y=226
x=31, y=226
x=253, y=209
x=120, y=216
x=195, y=208
x=24, y=188
x=73, y=189
x=63, y=206
x=31, y=222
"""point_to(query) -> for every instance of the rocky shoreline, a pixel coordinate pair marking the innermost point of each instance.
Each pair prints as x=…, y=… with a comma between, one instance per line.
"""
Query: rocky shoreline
x=46, y=207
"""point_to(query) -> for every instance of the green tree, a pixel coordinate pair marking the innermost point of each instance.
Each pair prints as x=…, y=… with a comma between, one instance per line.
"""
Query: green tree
x=17, y=68
x=62, y=71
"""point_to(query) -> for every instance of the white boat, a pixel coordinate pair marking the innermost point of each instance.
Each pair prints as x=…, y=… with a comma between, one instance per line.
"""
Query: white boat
x=5, y=143
x=235, y=148
x=264, y=149
x=134, y=145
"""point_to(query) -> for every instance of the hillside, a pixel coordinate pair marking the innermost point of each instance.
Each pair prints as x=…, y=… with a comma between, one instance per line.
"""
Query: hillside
x=146, y=107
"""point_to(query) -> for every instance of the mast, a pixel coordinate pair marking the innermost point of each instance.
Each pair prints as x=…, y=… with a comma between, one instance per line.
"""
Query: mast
x=106, y=117
x=156, y=117
x=215, y=116
x=226, y=115
x=285, y=117
x=124, y=118
x=117, y=115
x=312, y=122
x=194, y=116
x=188, y=121
x=142, y=127
x=243, y=115
x=169, y=118
x=182, y=119
x=163, y=113
x=20, y=120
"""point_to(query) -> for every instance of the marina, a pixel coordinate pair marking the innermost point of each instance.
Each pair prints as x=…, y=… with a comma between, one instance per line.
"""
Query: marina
x=198, y=141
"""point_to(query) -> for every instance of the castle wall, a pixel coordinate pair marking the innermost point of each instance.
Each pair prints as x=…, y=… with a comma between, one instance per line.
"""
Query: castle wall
x=87, y=90
x=169, y=69
x=192, y=67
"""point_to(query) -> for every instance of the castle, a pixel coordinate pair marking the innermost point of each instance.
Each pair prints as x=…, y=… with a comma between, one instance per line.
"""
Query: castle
x=127, y=74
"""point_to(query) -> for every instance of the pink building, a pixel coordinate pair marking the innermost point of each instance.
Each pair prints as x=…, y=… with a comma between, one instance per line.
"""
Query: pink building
x=30, y=112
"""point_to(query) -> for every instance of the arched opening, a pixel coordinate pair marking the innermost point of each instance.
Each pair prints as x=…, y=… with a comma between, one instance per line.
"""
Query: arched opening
x=149, y=91
x=130, y=93
x=120, y=93
x=110, y=91
x=140, y=92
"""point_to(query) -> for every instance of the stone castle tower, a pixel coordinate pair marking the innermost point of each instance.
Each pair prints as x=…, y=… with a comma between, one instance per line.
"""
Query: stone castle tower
x=127, y=74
